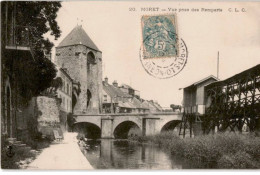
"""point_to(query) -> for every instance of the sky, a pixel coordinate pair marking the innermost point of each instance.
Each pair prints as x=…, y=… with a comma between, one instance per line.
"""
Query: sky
x=117, y=33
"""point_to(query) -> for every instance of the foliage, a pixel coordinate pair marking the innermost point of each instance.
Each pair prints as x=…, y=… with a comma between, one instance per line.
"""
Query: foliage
x=21, y=154
x=40, y=16
x=239, y=160
x=225, y=150
x=54, y=85
x=12, y=162
x=33, y=75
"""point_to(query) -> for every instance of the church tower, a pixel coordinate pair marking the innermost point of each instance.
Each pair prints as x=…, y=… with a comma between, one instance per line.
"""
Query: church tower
x=82, y=59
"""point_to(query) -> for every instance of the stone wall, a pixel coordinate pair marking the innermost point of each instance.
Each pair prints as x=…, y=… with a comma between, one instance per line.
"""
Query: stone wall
x=48, y=114
x=41, y=115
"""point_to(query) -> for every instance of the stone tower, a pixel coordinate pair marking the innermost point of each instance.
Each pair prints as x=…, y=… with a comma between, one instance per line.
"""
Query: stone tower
x=78, y=54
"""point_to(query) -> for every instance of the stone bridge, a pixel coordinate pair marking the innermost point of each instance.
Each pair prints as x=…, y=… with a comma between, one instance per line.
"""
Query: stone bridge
x=119, y=125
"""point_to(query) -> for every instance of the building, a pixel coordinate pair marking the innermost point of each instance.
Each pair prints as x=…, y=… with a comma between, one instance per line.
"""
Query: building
x=65, y=92
x=82, y=60
x=139, y=107
x=129, y=90
x=194, y=95
x=158, y=106
x=152, y=106
x=114, y=99
x=26, y=110
x=15, y=45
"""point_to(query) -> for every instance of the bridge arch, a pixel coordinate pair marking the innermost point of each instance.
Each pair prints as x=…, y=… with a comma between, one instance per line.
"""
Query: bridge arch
x=172, y=125
x=126, y=129
x=88, y=129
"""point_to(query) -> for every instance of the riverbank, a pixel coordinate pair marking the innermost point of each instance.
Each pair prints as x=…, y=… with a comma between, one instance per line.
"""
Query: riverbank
x=225, y=151
x=65, y=155
x=17, y=155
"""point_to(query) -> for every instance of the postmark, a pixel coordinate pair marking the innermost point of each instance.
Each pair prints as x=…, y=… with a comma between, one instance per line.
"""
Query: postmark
x=162, y=53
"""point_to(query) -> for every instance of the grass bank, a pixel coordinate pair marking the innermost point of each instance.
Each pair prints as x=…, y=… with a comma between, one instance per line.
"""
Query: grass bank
x=225, y=150
x=21, y=155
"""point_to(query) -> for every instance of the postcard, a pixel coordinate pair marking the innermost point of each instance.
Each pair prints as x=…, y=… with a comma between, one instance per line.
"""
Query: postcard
x=164, y=85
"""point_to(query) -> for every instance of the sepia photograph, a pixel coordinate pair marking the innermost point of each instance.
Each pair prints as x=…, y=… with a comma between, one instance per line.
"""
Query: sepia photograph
x=130, y=85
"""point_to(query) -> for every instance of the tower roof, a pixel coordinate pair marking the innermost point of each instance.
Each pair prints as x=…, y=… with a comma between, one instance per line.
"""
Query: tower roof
x=78, y=36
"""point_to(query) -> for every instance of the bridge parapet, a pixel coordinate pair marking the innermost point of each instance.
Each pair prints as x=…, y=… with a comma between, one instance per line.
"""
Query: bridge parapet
x=130, y=114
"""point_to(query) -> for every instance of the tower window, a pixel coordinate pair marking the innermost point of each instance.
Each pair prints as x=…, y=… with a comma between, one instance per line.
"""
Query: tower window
x=105, y=98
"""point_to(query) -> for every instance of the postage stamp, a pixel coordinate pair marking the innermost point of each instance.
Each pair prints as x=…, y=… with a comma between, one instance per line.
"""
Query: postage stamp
x=159, y=36
x=163, y=54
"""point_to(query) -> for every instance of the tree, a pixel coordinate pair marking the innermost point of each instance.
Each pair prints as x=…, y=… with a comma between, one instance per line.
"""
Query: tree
x=40, y=17
x=33, y=76
x=52, y=90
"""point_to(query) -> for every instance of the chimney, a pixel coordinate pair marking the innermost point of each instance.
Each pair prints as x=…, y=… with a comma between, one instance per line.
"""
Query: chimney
x=115, y=83
x=106, y=80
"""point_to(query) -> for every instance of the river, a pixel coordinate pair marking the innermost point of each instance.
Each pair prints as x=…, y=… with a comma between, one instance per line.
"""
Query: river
x=123, y=154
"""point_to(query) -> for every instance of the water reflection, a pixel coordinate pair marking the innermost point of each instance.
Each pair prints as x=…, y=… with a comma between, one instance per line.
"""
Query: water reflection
x=121, y=154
